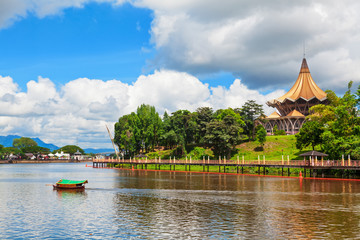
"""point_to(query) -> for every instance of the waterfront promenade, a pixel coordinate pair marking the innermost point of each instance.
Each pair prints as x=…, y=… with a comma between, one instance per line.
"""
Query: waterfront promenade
x=239, y=164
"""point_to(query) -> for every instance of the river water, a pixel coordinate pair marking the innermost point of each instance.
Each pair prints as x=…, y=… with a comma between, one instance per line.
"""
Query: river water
x=172, y=205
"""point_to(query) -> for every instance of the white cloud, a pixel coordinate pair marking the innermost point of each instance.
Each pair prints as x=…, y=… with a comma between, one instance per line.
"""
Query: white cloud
x=259, y=41
x=168, y=90
x=79, y=111
x=13, y=10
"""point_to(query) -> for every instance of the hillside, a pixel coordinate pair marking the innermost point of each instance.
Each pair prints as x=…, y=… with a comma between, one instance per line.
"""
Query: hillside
x=274, y=147
x=7, y=141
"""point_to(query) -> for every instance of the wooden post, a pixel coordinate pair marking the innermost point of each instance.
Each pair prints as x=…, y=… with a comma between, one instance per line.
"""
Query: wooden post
x=288, y=158
x=322, y=161
x=186, y=160
x=259, y=159
x=238, y=161
x=219, y=159
x=190, y=159
x=264, y=159
x=349, y=161
x=282, y=159
x=342, y=160
x=243, y=159
x=208, y=160
x=203, y=161
x=174, y=161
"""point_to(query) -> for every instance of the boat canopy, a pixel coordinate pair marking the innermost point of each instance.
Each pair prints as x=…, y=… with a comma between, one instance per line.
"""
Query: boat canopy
x=65, y=181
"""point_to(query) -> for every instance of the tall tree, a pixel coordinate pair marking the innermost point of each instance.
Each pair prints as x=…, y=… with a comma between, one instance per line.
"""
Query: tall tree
x=204, y=115
x=149, y=126
x=127, y=134
x=183, y=125
x=23, y=142
x=249, y=112
x=223, y=133
x=261, y=135
x=340, y=123
x=309, y=135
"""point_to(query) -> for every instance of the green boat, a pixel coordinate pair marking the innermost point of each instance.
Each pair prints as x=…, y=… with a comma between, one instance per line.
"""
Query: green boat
x=70, y=184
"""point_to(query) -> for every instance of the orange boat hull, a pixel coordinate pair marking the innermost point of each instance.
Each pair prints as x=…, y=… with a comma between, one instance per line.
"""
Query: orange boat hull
x=69, y=186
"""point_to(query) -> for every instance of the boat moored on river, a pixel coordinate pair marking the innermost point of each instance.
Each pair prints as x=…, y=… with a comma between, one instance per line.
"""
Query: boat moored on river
x=70, y=184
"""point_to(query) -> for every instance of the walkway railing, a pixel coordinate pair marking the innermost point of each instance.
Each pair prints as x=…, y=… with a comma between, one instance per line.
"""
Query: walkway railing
x=314, y=163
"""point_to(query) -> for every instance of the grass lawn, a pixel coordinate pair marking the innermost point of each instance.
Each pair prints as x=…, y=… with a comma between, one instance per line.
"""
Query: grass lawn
x=274, y=147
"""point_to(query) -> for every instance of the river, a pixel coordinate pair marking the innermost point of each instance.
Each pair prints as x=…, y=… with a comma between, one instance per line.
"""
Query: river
x=172, y=205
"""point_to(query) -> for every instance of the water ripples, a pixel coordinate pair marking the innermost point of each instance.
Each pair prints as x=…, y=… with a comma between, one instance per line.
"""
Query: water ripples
x=161, y=205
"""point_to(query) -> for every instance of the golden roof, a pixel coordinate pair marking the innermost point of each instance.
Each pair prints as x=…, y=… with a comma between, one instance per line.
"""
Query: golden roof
x=304, y=87
x=274, y=115
x=295, y=113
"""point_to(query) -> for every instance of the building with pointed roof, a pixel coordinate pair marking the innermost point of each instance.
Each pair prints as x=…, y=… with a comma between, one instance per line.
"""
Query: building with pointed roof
x=293, y=107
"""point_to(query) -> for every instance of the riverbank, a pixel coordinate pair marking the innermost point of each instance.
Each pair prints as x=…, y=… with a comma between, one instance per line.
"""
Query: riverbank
x=42, y=161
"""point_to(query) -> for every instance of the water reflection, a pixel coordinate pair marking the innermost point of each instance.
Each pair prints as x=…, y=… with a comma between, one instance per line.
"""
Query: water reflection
x=70, y=194
x=190, y=205
x=162, y=205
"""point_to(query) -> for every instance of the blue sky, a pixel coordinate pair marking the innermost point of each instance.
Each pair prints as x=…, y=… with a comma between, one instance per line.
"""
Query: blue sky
x=97, y=41
x=67, y=68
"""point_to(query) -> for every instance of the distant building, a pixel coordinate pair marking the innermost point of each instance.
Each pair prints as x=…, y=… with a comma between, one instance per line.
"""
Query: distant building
x=293, y=107
x=78, y=155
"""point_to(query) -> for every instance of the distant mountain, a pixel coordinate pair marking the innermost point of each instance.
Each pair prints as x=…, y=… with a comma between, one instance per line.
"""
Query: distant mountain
x=7, y=141
x=99, y=150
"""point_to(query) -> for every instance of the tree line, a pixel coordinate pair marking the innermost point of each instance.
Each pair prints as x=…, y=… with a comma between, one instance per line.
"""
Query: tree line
x=220, y=130
x=24, y=145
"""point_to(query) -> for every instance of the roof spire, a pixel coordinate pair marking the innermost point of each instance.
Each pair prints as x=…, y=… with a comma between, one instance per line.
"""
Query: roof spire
x=304, y=67
x=304, y=45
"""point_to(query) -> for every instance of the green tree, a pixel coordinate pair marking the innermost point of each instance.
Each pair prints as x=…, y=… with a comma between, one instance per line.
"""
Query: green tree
x=261, y=135
x=149, y=126
x=309, y=135
x=278, y=132
x=183, y=124
x=340, y=123
x=249, y=112
x=224, y=132
x=23, y=142
x=70, y=149
x=127, y=134
x=35, y=149
x=204, y=115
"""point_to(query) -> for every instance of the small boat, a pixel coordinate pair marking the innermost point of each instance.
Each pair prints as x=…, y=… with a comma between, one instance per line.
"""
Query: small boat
x=70, y=184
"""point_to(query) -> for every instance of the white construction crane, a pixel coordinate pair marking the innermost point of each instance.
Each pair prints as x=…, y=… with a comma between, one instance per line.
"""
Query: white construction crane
x=112, y=140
